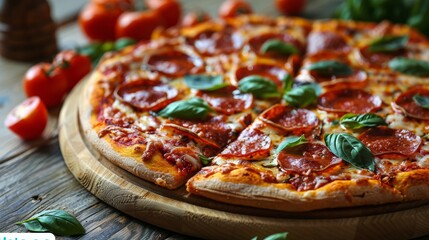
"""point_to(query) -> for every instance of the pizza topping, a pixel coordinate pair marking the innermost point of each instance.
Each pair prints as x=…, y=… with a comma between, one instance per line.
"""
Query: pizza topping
x=184, y=158
x=291, y=142
x=350, y=149
x=204, y=82
x=410, y=66
x=412, y=103
x=190, y=109
x=271, y=72
x=384, y=140
x=301, y=96
x=388, y=44
x=349, y=101
x=278, y=47
x=146, y=95
x=305, y=157
x=252, y=144
x=174, y=63
x=379, y=59
x=357, y=121
x=275, y=44
x=330, y=68
x=212, y=42
x=290, y=119
x=259, y=86
x=227, y=100
x=326, y=41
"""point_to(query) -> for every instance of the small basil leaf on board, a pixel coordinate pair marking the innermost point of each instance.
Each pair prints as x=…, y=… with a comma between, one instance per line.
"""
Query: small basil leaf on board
x=259, y=86
x=58, y=222
x=356, y=121
x=204, y=82
x=190, y=109
x=410, y=66
x=205, y=160
x=301, y=96
x=279, y=47
x=291, y=142
x=422, y=101
x=388, y=44
x=330, y=68
x=287, y=82
x=275, y=236
x=350, y=149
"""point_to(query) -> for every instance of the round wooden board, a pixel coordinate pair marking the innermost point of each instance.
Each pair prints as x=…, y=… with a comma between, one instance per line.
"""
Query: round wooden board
x=183, y=213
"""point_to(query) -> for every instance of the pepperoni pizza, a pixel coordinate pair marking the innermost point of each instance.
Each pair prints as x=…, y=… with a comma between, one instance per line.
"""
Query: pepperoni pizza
x=281, y=113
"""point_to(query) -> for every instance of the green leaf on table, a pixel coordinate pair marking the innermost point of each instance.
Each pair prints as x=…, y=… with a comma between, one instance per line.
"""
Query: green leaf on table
x=350, y=149
x=388, y=44
x=330, y=68
x=290, y=142
x=276, y=236
x=301, y=96
x=410, y=66
x=277, y=46
x=259, y=86
x=422, y=101
x=356, y=121
x=190, y=109
x=204, y=82
x=58, y=222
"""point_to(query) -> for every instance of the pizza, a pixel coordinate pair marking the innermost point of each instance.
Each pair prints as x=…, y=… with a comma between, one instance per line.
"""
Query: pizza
x=286, y=113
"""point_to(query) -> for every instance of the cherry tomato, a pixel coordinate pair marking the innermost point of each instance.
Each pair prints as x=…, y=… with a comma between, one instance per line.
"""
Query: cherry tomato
x=137, y=25
x=169, y=10
x=28, y=119
x=47, y=82
x=98, y=19
x=233, y=8
x=193, y=18
x=73, y=65
x=290, y=7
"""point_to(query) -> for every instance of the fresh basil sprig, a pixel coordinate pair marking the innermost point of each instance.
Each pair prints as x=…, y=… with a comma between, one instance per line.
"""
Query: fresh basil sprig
x=276, y=236
x=422, y=101
x=58, y=222
x=287, y=82
x=330, y=68
x=279, y=47
x=190, y=109
x=259, y=86
x=410, y=66
x=204, y=82
x=356, y=121
x=388, y=44
x=205, y=160
x=291, y=142
x=301, y=96
x=350, y=149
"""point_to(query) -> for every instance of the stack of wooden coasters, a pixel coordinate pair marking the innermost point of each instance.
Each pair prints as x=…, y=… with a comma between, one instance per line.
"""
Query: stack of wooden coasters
x=27, y=31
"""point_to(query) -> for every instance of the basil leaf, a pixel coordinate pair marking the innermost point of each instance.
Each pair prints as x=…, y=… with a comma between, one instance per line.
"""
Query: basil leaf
x=419, y=16
x=410, y=66
x=279, y=47
x=422, y=101
x=287, y=82
x=276, y=236
x=205, y=160
x=259, y=86
x=350, y=149
x=204, y=82
x=291, y=142
x=388, y=44
x=356, y=121
x=122, y=43
x=330, y=68
x=300, y=96
x=58, y=222
x=190, y=109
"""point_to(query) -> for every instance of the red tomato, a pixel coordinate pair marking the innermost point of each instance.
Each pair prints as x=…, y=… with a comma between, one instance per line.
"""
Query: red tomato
x=193, y=18
x=137, y=25
x=47, y=82
x=169, y=10
x=290, y=7
x=28, y=119
x=233, y=8
x=98, y=19
x=73, y=65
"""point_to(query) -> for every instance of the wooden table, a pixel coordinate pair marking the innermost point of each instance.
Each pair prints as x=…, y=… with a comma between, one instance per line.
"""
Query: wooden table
x=33, y=176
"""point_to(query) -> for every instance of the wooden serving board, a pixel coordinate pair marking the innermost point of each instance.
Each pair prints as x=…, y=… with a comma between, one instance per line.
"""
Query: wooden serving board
x=191, y=215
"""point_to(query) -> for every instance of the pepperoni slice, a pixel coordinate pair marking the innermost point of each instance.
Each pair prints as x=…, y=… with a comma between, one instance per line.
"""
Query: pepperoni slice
x=326, y=41
x=289, y=119
x=407, y=106
x=349, y=101
x=212, y=42
x=252, y=144
x=146, y=95
x=272, y=72
x=358, y=79
x=174, y=63
x=378, y=60
x=256, y=43
x=383, y=140
x=227, y=100
x=305, y=157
